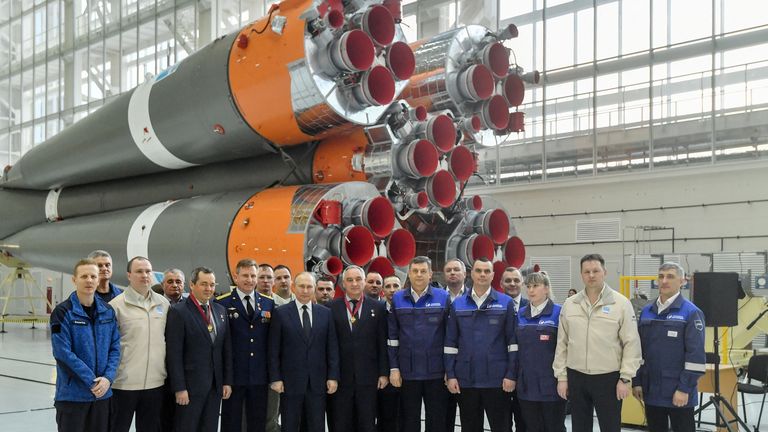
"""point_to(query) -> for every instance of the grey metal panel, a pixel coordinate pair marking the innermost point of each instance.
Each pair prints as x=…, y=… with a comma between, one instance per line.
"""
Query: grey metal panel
x=187, y=104
x=20, y=209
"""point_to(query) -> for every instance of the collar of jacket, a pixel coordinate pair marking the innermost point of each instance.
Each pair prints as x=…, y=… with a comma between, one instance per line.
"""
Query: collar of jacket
x=544, y=312
x=605, y=298
x=427, y=292
x=132, y=297
x=677, y=304
x=77, y=307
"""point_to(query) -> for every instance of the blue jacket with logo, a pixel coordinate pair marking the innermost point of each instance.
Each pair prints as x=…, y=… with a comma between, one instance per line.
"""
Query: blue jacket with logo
x=480, y=344
x=537, y=340
x=84, y=349
x=416, y=333
x=249, y=337
x=673, y=352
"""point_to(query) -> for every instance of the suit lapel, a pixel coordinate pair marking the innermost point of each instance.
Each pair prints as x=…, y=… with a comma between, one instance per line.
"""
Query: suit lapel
x=218, y=312
x=296, y=319
x=203, y=327
x=315, y=314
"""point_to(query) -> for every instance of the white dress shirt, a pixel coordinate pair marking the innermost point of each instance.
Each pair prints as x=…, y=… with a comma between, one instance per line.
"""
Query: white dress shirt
x=252, y=300
x=537, y=310
x=300, y=307
x=416, y=296
x=663, y=306
x=454, y=297
x=479, y=300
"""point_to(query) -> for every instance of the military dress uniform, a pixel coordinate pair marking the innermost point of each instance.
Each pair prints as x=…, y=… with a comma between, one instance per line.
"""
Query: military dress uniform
x=249, y=328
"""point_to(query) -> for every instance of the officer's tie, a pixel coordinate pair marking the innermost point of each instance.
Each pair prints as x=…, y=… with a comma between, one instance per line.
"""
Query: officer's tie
x=248, y=307
x=305, y=322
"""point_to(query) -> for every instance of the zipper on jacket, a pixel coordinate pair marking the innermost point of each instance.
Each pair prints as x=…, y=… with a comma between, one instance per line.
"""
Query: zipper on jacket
x=95, y=343
x=149, y=344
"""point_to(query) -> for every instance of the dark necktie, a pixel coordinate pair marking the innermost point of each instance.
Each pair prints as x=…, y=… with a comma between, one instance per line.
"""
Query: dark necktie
x=248, y=307
x=306, y=323
x=353, y=302
x=205, y=309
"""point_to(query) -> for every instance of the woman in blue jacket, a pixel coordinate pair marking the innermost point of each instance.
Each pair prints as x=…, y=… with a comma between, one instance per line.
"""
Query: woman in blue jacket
x=543, y=410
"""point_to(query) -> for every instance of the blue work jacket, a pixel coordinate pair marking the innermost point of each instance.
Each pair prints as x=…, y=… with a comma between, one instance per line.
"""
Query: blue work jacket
x=537, y=340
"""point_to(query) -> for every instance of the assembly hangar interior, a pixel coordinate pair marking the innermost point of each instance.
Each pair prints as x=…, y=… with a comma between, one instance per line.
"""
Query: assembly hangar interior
x=531, y=132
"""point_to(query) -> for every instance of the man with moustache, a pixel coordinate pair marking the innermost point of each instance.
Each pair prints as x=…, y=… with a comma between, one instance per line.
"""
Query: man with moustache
x=361, y=330
x=139, y=384
x=86, y=346
x=106, y=289
x=249, y=315
x=173, y=286
x=303, y=333
x=198, y=337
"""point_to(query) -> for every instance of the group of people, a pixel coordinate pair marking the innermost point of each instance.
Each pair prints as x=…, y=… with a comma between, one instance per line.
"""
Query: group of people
x=279, y=347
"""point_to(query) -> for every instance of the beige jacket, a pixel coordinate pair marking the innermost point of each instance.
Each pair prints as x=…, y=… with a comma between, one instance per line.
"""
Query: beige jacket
x=597, y=339
x=142, y=340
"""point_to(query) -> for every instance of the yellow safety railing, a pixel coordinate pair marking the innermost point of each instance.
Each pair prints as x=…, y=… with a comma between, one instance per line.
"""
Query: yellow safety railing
x=625, y=283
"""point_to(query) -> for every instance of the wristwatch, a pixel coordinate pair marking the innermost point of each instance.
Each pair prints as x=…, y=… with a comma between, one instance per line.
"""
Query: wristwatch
x=624, y=380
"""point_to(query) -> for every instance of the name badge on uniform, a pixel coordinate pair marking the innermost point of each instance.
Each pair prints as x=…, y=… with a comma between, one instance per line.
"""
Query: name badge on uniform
x=606, y=309
x=672, y=333
x=159, y=309
x=544, y=337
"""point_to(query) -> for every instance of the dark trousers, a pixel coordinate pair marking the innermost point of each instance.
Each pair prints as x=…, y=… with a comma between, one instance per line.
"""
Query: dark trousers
x=309, y=407
x=544, y=416
x=353, y=409
x=273, y=411
x=594, y=392
x=659, y=419
x=494, y=402
x=516, y=417
x=82, y=416
x=249, y=399
x=450, y=412
x=388, y=415
x=146, y=404
x=201, y=414
x=435, y=397
x=169, y=408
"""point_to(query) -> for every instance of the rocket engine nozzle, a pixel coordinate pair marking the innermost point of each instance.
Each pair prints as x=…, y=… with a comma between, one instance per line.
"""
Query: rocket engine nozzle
x=475, y=83
x=353, y=51
x=418, y=200
x=473, y=247
x=495, y=57
x=441, y=131
x=401, y=247
x=441, y=189
x=514, y=251
x=382, y=266
x=357, y=245
x=400, y=60
x=376, y=214
x=418, y=159
x=378, y=22
x=513, y=90
x=376, y=88
x=331, y=266
x=495, y=113
x=494, y=224
x=461, y=163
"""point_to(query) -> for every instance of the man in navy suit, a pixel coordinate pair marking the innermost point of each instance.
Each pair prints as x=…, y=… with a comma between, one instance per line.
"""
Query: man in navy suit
x=199, y=356
x=512, y=282
x=361, y=329
x=303, y=358
x=249, y=314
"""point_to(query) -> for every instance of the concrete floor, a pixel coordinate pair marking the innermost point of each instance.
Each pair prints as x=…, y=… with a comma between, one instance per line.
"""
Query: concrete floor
x=28, y=376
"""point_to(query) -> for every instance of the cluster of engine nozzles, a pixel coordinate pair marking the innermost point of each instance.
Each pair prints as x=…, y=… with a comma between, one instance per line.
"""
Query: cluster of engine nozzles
x=362, y=232
x=362, y=50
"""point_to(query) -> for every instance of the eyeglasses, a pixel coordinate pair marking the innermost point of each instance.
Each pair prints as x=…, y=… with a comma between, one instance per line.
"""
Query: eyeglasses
x=174, y=281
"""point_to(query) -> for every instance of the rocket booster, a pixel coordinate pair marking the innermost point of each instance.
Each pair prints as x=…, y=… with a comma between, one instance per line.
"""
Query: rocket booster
x=306, y=71
x=284, y=142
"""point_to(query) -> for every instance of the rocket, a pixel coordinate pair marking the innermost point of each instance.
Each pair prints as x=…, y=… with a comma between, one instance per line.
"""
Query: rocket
x=315, y=137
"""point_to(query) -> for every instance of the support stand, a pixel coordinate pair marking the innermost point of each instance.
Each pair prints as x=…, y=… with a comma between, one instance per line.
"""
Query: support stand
x=21, y=273
x=717, y=400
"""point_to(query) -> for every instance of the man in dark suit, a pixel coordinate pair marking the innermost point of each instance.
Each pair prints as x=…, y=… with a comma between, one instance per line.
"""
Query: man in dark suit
x=199, y=356
x=512, y=282
x=361, y=329
x=303, y=358
x=249, y=314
